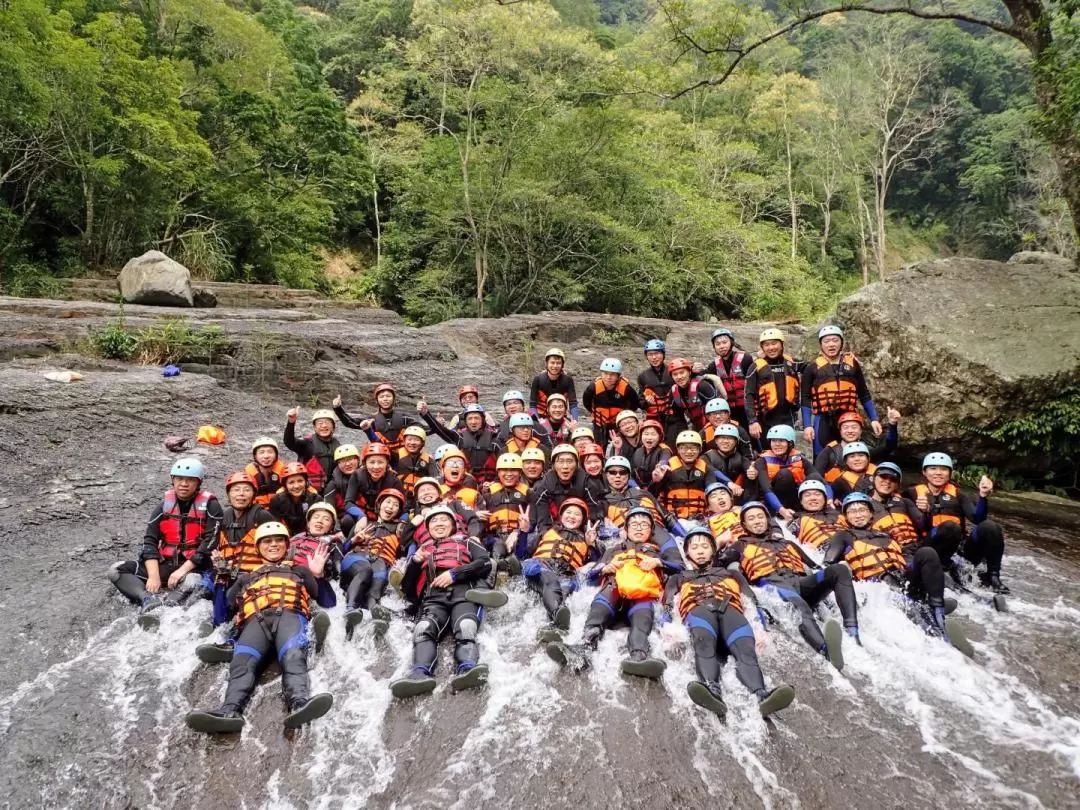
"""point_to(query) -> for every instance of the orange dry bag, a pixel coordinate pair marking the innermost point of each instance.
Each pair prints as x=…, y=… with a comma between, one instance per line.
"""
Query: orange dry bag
x=635, y=583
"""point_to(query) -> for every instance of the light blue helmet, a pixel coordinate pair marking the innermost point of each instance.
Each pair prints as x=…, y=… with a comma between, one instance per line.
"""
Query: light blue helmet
x=617, y=461
x=723, y=332
x=830, y=329
x=474, y=407
x=717, y=406
x=728, y=430
x=510, y=395
x=441, y=451
x=937, y=460
x=188, y=467
x=612, y=364
x=856, y=497
x=520, y=420
x=855, y=447
x=785, y=432
x=698, y=530
x=749, y=505
x=655, y=345
x=715, y=485
x=813, y=485
x=888, y=468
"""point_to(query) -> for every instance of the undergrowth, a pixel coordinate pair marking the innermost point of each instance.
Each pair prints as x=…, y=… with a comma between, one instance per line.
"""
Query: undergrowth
x=168, y=340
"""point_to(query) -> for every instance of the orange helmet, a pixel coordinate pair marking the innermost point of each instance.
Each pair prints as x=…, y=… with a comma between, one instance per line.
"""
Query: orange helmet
x=383, y=387
x=850, y=416
x=468, y=389
x=374, y=449
x=294, y=468
x=592, y=450
x=652, y=423
x=679, y=362
x=239, y=478
x=391, y=493
x=580, y=504
x=453, y=453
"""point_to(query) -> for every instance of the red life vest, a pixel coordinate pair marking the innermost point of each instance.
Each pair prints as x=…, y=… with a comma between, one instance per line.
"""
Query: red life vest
x=446, y=555
x=180, y=534
x=734, y=381
x=690, y=403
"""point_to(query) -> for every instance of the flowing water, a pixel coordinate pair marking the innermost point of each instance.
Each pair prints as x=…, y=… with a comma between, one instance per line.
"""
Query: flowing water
x=91, y=707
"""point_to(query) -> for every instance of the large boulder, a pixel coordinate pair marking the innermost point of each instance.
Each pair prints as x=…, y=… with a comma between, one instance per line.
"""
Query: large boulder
x=155, y=279
x=957, y=344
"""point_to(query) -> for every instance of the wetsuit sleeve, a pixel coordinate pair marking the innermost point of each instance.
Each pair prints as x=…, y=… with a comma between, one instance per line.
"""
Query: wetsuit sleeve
x=976, y=511
x=571, y=397
x=863, y=392
x=766, y=487
x=633, y=401
x=478, y=565
x=806, y=388
x=347, y=419
x=311, y=583
x=836, y=547
x=410, y=579
x=302, y=447
x=534, y=395
x=712, y=368
x=588, y=397
x=824, y=461
x=236, y=590
x=750, y=396
x=473, y=524
x=808, y=561
x=214, y=517
x=917, y=517
x=671, y=588
x=352, y=494
x=811, y=473
x=152, y=537
x=730, y=555
x=441, y=430
x=671, y=557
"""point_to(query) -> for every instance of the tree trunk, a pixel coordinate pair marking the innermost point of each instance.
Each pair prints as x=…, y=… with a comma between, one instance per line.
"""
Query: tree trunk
x=879, y=225
x=792, y=206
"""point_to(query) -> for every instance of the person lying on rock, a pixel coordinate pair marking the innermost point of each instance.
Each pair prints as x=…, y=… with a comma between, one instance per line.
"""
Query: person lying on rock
x=831, y=385
x=771, y=394
x=621, y=497
x=817, y=521
x=290, y=504
x=782, y=470
x=894, y=513
x=346, y=462
x=315, y=450
x=769, y=560
x=321, y=533
x=710, y=603
x=829, y=460
x=174, y=551
x=606, y=397
x=443, y=568
x=681, y=482
x=387, y=425
x=722, y=516
x=552, y=380
x=953, y=523
x=631, y=577
x=273, y=608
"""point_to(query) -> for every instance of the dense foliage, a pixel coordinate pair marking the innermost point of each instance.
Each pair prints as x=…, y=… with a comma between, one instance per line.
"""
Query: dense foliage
x=477, y=157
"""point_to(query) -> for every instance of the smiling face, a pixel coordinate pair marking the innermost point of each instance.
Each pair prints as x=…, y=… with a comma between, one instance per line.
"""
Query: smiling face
x=756, y=521
x=639, y=528
x=348, y=465
x=522, y=434
x=427, y=494
x=474, y=421
x=772, y=349
x=385, y=400
x=556, y=409
x=831, y=345
x=628, y=427
x=722, y=346
x=850, y=432
x=618, y=478
x=812, y=500
x=554, y=366
x=440, y=526
x=609, y=378
x=654, y=358
x=858, y=515
x=885, y=485
x=241, y=496
x=320, y=522
x=324, y=428
x=564, y=466
x=273, y=548
x=389, y=509
x=700, y=550
x=509, y=478
x=412, y=444
x=295, y=485
x=688, y=453
x=468, y=398
x=185, y=487
x=593, y=465
x=533, y=468
x=726, y=444
x=376, y=466
x=779, y=447
x=681, y=376
x=857, y=462
x=572, y=517
x=265, y=456
x=937, y=476
x=650, y=437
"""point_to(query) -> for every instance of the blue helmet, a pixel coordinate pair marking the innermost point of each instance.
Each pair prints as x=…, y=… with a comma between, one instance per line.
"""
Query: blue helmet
x=698, y=531
x=639, y=510
x=717, y=405
x=855, y=447
x=617, y=461
x=729, y=430
x=612, y=365
x=715, y=485
x=888, y=468
x=856, y=497
x=785, y=432
x=188, y=467
x=655, y=345
x=813, y=485
x=520, y=420
x=512, y=394
x=746, y=507
x=723, y=332
x=474, y=408
x=441, y=451
x=937, y=460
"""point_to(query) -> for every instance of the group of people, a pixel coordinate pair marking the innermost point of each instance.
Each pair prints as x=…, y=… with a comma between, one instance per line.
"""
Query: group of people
x=686, y=494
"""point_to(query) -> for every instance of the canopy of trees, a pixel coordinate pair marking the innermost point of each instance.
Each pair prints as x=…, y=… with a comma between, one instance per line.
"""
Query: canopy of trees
x=494, y=158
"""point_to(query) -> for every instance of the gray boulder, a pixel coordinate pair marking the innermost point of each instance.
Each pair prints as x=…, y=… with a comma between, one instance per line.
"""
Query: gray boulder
x=966, y=342
x=204, y=298
x=155, y=279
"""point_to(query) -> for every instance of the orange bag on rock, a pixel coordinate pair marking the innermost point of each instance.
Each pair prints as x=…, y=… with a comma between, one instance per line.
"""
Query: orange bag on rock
x=211, y=434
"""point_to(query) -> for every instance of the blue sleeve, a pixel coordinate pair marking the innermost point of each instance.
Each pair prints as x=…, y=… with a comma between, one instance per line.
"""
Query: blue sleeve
x=575, y=413
x=720, y=476
x=871, y=411
x=892, y=438
x=774, y=502
x=807, y=416
x=677, y=529
x=521, y=550
x=594, y=574
x=355, y=512
x=371, y=434
x=982, y=509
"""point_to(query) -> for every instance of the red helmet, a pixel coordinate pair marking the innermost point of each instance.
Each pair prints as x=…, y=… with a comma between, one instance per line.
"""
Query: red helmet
x=391, y=493
x=239, y=478
x=850, y=416
x=294, y=468
x=468, y=389
x=592, y=450
x=679, y=362
x=580, y=504
x=652, y=423
x=374, y=449
x=383, y=387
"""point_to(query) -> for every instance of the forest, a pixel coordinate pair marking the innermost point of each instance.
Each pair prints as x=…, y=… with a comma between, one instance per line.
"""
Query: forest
x=453, y=158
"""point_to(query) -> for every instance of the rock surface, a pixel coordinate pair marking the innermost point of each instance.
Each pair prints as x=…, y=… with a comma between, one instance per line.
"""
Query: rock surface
x=964, y=341
x=204, y=298
x=157, y=280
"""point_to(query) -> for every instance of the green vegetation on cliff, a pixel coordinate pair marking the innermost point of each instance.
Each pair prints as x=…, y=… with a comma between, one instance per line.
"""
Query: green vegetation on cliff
x=497, y=159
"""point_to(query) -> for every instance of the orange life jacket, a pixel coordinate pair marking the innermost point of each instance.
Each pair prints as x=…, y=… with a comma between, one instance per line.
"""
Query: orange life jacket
x=855, y=480
x=726, y=522
x=242, y=555
x=384, y=542
x=896, y=524
x=604, y=415
x=835, y=392
x=684, y=488
x=505, y=505
x=180, y=534
x=633, y=582
x=944, y=507
x=763, y=558
x=768, y=395
x=817, y=528
x=793, y=463
x=709, y=585
x=619, y=503
x=564, y=546
x=872, y=553
x=274, y=587
x=264, y=480
x=515, y=447
x=410, y=468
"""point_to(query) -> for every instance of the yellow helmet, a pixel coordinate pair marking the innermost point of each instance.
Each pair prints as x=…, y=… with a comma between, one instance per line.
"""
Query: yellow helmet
x=264, y=441
x=564, y=449
x=582, y=432
x=346, y=451
x=553, y=352
x=688, y=437
x=323, y=413
x=533, y=454
x=315, y=507
x=509, y=461
x=271, y=529
x=771, y=333
x=415, y=430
